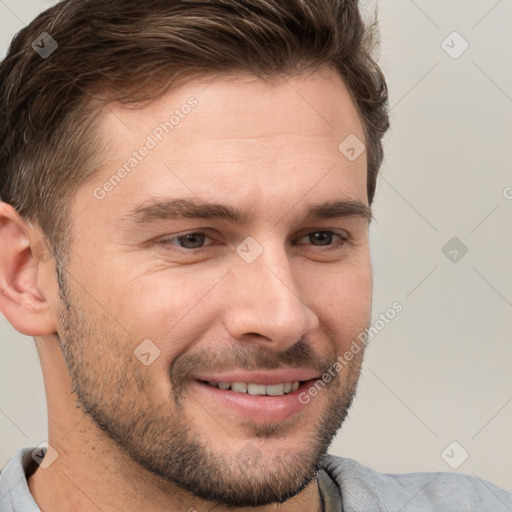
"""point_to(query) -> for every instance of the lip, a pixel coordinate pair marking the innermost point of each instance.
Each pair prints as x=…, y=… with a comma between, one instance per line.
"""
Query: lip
x=254, y=408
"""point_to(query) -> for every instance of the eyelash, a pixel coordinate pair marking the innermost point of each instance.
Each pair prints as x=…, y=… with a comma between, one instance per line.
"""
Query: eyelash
x=169, y=241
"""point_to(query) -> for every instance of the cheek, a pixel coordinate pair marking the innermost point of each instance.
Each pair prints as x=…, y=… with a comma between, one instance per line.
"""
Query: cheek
x=168, y=304
x=344, y=306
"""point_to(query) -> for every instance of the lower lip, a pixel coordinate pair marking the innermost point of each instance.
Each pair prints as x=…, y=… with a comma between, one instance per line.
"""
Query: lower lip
x=257, y=408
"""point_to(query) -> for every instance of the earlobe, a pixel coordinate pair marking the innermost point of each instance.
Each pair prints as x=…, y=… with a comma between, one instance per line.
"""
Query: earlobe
x=21, y=300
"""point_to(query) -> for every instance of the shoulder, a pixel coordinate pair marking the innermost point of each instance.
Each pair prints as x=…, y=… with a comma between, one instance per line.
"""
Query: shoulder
x=363, y=489
x=14, y=491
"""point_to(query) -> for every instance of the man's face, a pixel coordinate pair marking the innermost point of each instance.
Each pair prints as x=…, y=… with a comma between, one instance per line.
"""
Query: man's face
x=159, y=307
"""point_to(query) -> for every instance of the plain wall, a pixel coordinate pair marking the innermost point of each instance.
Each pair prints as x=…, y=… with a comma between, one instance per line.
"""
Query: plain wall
x=439, y=372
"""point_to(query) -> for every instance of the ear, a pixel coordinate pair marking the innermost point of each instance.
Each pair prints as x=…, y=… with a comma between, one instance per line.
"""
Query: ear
x=21, y=300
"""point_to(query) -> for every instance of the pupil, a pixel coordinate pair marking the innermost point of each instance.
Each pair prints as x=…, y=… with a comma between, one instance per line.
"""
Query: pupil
x=193, y=240
x=323, y=236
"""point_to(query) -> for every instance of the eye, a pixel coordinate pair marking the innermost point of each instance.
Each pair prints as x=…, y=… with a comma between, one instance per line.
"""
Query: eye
x=194, y=240
x=323, y=238
x=198, y=239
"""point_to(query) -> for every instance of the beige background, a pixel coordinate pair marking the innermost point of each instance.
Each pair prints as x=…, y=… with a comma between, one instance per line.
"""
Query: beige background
x=440, y=371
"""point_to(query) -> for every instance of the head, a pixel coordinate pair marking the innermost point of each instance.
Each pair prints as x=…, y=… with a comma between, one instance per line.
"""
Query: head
x=186, y=165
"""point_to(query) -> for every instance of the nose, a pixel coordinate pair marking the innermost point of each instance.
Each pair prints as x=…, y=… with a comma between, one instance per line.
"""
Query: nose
x=265, y=302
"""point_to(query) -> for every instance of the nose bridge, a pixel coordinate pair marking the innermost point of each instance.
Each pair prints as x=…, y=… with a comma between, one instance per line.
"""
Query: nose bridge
x=266, y=301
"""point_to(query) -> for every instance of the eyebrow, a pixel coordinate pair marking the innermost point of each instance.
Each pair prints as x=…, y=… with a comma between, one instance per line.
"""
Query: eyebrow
x=337, y=209
x=171, y=209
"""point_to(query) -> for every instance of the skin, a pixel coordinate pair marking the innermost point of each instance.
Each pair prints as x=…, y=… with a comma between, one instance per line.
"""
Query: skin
x=268, y=147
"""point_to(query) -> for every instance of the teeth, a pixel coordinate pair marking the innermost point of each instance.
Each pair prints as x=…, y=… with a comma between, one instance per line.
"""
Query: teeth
x=258, y=389
x=275, y=390
x=239, y=387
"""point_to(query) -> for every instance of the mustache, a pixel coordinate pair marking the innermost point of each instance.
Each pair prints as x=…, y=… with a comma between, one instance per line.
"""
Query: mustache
x=215, y=359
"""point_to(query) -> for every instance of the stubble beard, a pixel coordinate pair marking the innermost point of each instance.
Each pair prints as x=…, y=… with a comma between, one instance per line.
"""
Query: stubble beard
x=115, y=390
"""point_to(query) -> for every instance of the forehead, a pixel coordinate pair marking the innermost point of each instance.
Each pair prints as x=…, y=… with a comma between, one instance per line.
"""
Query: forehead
x=235, y=137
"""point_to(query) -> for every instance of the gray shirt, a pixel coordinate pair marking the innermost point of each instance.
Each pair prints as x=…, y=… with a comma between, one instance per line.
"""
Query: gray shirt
x=345, y=486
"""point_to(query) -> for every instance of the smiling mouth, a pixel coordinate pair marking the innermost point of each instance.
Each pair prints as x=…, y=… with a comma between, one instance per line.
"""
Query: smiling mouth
x=254, y=389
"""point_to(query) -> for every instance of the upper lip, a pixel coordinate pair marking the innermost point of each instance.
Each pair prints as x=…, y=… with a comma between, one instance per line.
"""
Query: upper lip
x=266, y=377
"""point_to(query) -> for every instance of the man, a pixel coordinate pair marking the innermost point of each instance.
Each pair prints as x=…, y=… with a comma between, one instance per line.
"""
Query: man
x=186, y=193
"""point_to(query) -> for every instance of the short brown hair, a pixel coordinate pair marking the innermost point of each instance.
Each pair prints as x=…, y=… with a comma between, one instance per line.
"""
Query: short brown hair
x=135, y=50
